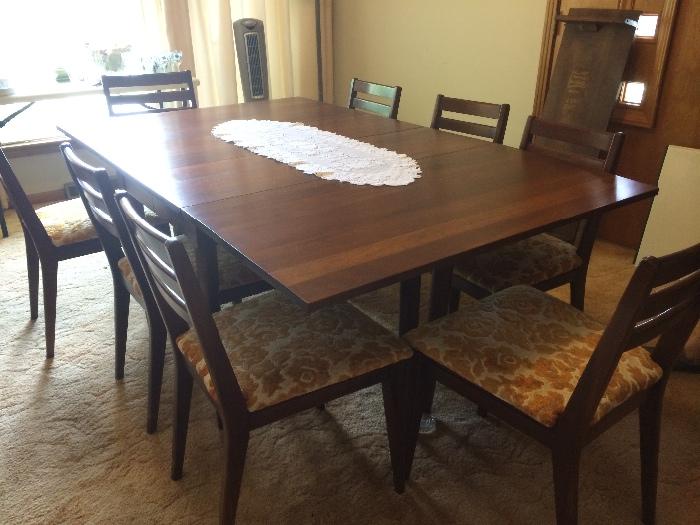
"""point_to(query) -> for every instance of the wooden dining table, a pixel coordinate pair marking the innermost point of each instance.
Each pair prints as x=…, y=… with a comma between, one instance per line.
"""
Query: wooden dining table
x=321, y=241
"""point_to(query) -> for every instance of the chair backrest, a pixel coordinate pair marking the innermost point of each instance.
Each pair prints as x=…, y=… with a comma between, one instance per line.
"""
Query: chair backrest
x=388, y=108
x=97, y=193
x=89, y=180
x=25, y=211
x=150, y=88
x=593, y=149
x=180, y=299
x=497, y=112
x=661, y=300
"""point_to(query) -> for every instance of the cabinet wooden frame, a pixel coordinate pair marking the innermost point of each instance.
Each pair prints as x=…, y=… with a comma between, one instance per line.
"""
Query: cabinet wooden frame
x=643, y=115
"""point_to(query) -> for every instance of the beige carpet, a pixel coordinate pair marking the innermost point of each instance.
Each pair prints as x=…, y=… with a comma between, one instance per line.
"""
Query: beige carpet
x=74, y=449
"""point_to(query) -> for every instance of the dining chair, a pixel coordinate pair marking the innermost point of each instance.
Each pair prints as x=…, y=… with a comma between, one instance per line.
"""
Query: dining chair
x=382, y=305
x=557, y=257
x=97, y=192
x=384, y=102
x=52, y=233
x=554, y=373
x=497, y=112
x=264, y=359
x=153, y=88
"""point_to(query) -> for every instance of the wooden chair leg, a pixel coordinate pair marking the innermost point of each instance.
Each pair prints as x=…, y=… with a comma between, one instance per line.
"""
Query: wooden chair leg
x=414, y=411
x=394, y=393
x=428, y=391
x=122, y=298
x=455, y=294
x=156, y=360
x=3, y=223
x=565, y=464
x=33, y=276
x=183, y=398
x=236, y=448
x=649, y=433
x=49, y=276
x=578, y=291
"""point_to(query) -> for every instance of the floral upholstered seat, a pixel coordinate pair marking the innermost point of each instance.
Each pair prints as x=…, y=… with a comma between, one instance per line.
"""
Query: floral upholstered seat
x=529, y=349
x=66, y=222
x=529, y=261
x=128, y=274
x=382, y=306
x=279, y=352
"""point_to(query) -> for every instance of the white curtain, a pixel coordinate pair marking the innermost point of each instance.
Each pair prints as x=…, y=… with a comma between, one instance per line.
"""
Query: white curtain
x=203, y=30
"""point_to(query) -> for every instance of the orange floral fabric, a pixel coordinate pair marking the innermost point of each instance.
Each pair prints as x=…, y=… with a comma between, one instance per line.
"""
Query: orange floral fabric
x=528, y=261
x=529, y=349
x=278, y=351
x=382, y=306
x=66, y=222
x=129, y=277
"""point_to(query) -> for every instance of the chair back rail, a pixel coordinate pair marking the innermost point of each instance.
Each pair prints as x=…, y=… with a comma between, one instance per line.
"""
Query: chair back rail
x=25, y=211
x=159, y=88
x=180, y=299
x=604, y=146
x=86, y=179
x=643, y=313
x=498, y=112
x=97, y=191
x=392, y=94
x=601, y=151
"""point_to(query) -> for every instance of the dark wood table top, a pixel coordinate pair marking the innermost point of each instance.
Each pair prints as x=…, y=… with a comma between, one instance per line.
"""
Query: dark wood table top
x=324, y=240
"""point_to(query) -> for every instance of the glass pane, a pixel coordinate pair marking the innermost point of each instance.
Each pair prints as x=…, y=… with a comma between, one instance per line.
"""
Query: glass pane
x=633, y=93
x=646, y=27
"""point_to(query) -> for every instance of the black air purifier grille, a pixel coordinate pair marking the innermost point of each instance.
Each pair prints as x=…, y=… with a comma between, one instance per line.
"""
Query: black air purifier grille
x=257, y=89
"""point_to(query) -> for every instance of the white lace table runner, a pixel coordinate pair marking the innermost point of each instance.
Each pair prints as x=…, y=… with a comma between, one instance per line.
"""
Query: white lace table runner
x=320, y=153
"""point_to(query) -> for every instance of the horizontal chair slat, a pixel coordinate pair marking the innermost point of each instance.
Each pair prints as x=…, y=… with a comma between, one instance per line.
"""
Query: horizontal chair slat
x=150, y=80
x=375, y=107
x=471, y=107
x=470, y=128
x=581, y=160
x=378, y=90
x=660, y=301
x=572, y=135
x=675, y=266
x=152, y=98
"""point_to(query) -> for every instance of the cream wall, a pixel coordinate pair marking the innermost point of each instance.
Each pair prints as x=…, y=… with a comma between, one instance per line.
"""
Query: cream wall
x=41, y=173
x=474, y=49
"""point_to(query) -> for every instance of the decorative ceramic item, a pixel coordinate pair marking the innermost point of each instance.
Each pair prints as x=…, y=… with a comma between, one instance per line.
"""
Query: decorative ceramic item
x=165, y=63
x=111, y=60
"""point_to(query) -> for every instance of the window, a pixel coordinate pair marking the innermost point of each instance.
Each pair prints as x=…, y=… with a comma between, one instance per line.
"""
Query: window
x=639, y=93
x=68, y=40
x=646, y=27
x=632, y=93
x=61, y=55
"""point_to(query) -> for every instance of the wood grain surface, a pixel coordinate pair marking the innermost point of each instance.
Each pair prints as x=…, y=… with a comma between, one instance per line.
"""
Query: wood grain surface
x=323, y=241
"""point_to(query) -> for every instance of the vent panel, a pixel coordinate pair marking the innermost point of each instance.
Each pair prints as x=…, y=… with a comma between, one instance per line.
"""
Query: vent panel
x=252, y=46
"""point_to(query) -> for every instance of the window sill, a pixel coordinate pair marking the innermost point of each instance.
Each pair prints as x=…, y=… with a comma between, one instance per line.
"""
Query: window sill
x=33, y=147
